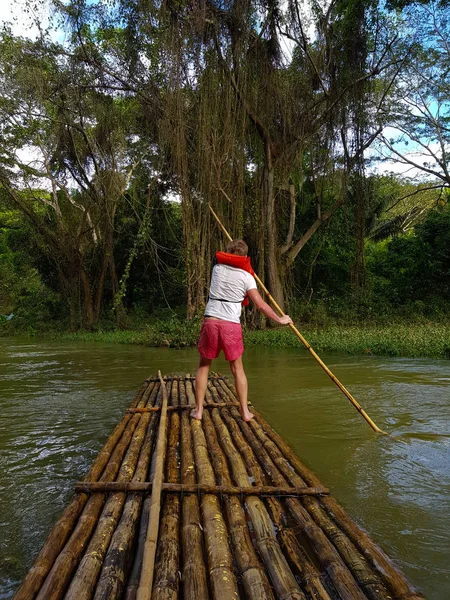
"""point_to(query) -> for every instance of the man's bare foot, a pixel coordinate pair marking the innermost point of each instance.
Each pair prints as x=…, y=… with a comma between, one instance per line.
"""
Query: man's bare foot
x=196, y=414
x=246, y=415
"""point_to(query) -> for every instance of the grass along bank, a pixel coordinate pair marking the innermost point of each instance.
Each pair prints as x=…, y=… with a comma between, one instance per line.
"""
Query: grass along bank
x=408, y=340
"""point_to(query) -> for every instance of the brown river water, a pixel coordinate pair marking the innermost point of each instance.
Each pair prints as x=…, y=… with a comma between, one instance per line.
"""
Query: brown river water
x=60, y=400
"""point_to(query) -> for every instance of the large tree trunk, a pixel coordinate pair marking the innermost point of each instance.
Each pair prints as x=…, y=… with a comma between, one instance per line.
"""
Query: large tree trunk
x=88, y=305
x=272, y=258
x=108, y=262
x=121, y=314
x=101, y=281
x=70, y=288
x=197, y=248
x=359, y=266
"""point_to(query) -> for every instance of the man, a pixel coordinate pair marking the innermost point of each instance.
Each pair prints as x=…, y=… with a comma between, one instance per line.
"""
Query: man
x=232, y=282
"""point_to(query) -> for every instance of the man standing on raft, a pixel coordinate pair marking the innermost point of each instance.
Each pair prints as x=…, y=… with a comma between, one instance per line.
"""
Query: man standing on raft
x=232, y=282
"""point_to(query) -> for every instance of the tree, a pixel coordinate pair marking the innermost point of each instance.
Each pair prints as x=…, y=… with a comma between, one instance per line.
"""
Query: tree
x=80, y=169
x=417, y=120
x=275, y=141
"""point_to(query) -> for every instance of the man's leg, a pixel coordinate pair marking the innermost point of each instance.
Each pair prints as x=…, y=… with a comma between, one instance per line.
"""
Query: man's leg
x=201, y=383
x=240, y=382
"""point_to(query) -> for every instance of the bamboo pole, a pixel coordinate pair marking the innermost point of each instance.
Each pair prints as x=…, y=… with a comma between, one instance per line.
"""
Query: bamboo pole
x=199, y=488
x=326, y=553
x=136, y=567
x=118, y=558
x=307, y=573
x=182, y=398
x=167, y=568
x=178, y=408
x=280, y=574
x=135, y=574
x=144, y=591
x=90, y=565
x=63, y=529
x=220, y=562
x=193, y=567
x=333, y=378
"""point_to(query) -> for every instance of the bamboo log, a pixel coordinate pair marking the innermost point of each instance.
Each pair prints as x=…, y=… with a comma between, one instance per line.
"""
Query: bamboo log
x=178, y=408
x=145, y=584
x=280, y=574
x=89, y=568
x=365, y=576
x=309, y=576
x=65, y=524
x=149, y=396
x=220, y=563
x=134, y=578
x=186, y=377
x=174, y=401
x=193, y=566
x=179, y=488
x=326, y=553
x=251, y=571
x=308, y=346
x=190, y=393
x=117, y=561
x=59, y=576
x=135, y=575
x=167, y=568
x=373, y=553
x=182, y=398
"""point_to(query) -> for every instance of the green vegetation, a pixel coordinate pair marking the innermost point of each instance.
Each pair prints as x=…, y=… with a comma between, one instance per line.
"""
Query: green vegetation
x=419, y=340
x=105, y=229
x=430, y=339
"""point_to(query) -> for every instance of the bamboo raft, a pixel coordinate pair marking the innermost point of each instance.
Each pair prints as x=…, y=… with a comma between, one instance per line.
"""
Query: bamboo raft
x=177, y=508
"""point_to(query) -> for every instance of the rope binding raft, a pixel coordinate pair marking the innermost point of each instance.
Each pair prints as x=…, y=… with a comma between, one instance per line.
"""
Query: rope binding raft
x=304, y=342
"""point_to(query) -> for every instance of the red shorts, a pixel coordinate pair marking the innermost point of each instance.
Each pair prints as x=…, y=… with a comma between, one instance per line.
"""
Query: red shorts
x=221, y=335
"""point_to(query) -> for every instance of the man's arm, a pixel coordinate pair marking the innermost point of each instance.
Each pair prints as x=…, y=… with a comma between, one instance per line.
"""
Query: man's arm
x=265, y=308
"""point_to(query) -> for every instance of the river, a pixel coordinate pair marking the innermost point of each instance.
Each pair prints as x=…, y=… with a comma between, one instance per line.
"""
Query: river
x=59, y=401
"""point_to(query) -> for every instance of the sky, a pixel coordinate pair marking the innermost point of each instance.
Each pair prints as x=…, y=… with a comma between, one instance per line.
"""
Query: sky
x=13, y=12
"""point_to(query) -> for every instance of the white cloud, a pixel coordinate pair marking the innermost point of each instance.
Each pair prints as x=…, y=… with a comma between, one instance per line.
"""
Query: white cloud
x=22, y=19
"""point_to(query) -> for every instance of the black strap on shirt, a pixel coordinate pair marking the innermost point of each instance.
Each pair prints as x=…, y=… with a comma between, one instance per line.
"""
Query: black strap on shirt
x=223, y=300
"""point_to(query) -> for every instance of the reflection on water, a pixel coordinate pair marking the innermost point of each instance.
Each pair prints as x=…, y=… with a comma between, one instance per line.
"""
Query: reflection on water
x=60, y=401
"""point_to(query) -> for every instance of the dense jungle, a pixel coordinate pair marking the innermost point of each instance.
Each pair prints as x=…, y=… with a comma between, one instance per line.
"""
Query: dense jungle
x=318, y=131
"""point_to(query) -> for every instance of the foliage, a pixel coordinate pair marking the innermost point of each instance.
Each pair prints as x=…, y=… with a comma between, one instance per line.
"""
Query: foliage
x=426, y=339
x=129, y=143
x=26, y=302
x=415, y=268
x=418, y=113
x=174, y=332
x=401, y=339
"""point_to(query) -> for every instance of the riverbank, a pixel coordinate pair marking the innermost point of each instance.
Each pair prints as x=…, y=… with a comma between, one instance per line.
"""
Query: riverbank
x=408, y=340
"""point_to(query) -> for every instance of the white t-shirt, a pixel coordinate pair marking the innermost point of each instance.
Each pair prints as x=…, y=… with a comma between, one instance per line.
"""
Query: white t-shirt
x=228, y=283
